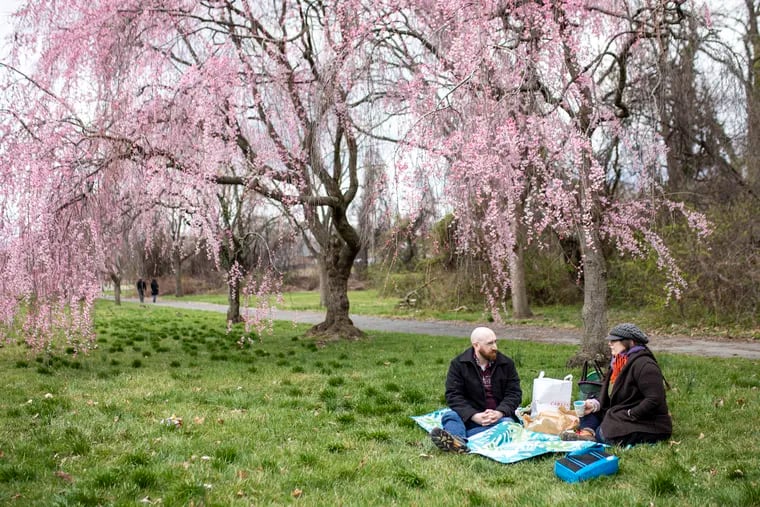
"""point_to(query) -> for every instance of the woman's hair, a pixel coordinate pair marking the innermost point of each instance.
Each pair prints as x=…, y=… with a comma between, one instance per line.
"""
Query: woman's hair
x=628, y=343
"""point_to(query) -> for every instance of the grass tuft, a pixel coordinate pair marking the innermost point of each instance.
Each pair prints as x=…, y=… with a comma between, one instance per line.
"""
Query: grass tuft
x=411, y=479
x=16, y=473
x=663, y=484
x=143, y=478
x=336, y=448
x=188, y=493
x=226, y=454
x=107, y=478
x=81, y=497
x=346, y=419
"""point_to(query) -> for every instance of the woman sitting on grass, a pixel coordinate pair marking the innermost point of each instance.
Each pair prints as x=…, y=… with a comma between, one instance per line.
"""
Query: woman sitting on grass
x=631, y=408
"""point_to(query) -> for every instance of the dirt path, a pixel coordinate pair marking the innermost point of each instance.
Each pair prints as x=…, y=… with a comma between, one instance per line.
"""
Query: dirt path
x=699, y=346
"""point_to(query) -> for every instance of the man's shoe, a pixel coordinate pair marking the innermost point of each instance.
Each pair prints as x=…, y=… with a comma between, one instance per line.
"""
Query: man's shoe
x=445, y=441
x=576, y=435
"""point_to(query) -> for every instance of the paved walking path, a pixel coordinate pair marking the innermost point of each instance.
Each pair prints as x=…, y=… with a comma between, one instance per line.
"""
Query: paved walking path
x=710, y=347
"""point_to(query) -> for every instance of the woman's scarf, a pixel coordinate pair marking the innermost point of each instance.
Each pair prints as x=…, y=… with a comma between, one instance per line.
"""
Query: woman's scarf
x=619, y=361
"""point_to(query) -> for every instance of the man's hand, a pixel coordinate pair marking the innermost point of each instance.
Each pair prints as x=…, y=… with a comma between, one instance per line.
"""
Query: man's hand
x=487, y=417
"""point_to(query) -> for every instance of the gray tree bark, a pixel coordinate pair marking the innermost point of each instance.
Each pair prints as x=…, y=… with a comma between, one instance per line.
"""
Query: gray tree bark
x=116, y=279
x=233, y=301
x=178, y=289
x=520, y=306
x=594, y=313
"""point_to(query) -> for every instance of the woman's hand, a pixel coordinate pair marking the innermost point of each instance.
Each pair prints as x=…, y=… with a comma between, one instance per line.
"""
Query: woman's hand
x=591, y=405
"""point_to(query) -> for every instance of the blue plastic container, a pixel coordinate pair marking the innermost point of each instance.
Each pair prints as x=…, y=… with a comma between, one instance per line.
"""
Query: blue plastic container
x=586, y=464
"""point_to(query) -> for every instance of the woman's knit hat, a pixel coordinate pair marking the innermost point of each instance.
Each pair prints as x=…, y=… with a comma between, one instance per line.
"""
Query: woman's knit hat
x=628, y=331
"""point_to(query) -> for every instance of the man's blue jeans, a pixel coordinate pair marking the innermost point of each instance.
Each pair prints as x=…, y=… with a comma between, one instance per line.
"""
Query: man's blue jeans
x=452, y=423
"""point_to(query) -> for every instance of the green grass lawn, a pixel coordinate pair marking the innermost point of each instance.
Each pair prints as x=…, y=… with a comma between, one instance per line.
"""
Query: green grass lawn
x=284, y=421
x=365, y=302
x=371, y=302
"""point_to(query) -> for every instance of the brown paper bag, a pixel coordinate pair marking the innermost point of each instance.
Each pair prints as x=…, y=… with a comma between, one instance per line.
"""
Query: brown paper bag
x=552, y=421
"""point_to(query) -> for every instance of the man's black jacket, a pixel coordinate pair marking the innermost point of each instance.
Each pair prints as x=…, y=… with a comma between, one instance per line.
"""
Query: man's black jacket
x=464, y=390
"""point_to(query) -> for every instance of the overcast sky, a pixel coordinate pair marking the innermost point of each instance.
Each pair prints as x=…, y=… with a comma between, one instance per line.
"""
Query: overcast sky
x=6, y=8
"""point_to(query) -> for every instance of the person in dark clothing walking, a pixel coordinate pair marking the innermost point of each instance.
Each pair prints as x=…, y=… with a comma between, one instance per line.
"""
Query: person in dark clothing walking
x=141, y=286
x=631, y=408
x=153, y=289
x=482, y=389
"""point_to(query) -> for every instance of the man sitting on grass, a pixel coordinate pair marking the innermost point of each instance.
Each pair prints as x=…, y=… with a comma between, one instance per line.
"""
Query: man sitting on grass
x=482, y=389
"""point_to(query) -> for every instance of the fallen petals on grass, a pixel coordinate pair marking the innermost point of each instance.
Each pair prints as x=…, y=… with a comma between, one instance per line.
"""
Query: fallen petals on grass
x=172, y=421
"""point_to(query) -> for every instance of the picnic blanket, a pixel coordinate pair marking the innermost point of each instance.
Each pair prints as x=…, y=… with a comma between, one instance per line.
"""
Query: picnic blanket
x=507, y=442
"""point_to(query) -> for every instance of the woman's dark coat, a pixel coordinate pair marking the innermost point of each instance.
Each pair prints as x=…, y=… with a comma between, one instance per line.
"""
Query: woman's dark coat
x=639, y=388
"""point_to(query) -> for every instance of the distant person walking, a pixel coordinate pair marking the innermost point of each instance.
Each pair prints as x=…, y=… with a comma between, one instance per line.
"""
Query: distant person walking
x=153, y=289
x=141, y=286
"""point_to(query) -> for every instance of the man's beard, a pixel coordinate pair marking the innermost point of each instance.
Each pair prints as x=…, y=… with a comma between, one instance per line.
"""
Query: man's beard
x=490, y=355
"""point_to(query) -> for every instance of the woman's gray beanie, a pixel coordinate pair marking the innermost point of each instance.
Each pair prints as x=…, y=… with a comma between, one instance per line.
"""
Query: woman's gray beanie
x=628, y=331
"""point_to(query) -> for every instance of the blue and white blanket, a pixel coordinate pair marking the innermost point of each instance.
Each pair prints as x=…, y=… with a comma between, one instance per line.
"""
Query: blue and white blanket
x=507, y=442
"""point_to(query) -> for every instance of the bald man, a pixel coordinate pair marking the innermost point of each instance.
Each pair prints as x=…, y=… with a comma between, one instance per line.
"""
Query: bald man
x=482, y=389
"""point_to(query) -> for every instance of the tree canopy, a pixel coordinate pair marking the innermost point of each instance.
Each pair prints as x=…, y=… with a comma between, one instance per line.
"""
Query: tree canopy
x=523, y=108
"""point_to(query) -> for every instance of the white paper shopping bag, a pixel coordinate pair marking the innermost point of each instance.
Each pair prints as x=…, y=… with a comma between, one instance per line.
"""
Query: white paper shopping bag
x=551, y=393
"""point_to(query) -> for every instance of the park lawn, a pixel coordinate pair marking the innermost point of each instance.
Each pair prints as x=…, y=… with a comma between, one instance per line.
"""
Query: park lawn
x=287, y=421
x=364, y=302
x=655, y=319
x=372, y=302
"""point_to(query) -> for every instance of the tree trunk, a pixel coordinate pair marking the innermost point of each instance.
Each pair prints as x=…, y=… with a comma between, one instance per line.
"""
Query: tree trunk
x=178, y=290
x=324, y=291
x=520, y=307
x=116, y=288
x=233, y=301
x=594, y=312
x=753, y=96
x=338, y=261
